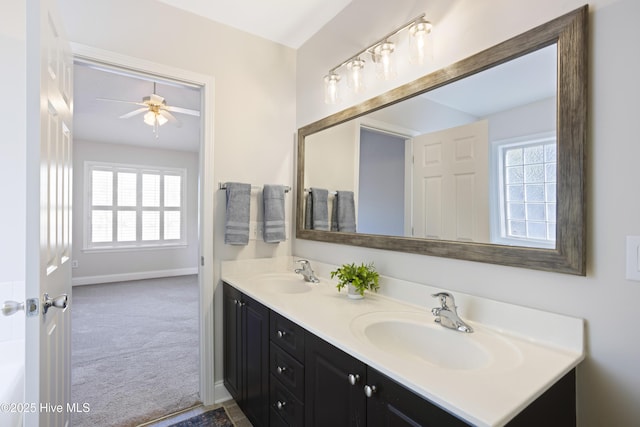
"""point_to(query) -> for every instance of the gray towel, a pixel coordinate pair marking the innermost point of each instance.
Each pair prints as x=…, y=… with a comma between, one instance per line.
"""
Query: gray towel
x=319, y=209
x=308, y=207
x=344, y=212
x=236, y=230
x=273, y=199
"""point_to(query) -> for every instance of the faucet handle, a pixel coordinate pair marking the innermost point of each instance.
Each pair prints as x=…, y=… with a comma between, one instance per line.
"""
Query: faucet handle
x=446, y=300
x=303, y=261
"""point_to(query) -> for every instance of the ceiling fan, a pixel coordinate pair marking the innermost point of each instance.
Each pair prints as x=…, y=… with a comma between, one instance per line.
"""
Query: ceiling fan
x=156, y=111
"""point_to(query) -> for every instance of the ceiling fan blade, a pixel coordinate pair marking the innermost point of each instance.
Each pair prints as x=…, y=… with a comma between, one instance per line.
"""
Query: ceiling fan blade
x=182, y=110
x=119, y=100
x=164, y=113
x=134, y=112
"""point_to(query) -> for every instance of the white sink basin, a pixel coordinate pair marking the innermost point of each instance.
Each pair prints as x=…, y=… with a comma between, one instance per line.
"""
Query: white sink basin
x=283, y=283
x=414, y=335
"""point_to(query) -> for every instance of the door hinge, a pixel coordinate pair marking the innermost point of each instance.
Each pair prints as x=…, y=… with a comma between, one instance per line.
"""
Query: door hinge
x=202, y=261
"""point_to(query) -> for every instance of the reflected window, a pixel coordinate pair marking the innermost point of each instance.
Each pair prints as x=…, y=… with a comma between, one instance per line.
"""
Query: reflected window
x=526, y=188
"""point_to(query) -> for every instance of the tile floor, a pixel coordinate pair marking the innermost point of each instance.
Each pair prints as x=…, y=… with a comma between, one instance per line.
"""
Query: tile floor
x=233, y=411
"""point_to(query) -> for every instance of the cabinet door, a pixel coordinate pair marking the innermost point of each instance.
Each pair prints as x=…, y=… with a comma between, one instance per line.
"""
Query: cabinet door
x=393, y=405
x=255, y=327
x=232, y=342
x=330, y=398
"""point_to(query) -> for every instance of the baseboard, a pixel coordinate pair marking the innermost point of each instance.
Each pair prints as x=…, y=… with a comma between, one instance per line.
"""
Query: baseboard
x=122, y=277
x=221, y=393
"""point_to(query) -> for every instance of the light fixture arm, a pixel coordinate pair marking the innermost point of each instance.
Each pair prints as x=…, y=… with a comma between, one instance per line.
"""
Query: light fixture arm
x=379, y=41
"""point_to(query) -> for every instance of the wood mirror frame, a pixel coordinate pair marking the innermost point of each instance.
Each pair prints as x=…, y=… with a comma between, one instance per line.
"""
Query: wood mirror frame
x=569, y=32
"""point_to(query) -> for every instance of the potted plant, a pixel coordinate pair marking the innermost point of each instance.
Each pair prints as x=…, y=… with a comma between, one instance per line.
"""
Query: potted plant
x=357, y=279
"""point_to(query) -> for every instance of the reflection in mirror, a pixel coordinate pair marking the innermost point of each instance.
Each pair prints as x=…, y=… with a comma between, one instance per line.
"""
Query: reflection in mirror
x=471, y=161
x=482, y=160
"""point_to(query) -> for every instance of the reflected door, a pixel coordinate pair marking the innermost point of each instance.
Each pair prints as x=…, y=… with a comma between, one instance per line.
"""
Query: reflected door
x=451, y=184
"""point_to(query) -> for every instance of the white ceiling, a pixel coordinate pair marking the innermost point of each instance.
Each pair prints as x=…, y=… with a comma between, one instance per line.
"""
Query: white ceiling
x=98, y=121
x=288, y=22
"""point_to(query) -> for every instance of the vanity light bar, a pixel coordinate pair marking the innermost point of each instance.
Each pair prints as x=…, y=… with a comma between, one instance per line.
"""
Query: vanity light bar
x=416, y=26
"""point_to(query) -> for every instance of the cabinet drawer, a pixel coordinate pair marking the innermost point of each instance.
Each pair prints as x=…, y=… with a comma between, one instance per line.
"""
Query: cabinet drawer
x=288, y=335
x=284, y=406
x=288, y=370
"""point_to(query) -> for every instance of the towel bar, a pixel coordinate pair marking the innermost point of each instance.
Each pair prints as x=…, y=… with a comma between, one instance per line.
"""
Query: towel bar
x=223, y=186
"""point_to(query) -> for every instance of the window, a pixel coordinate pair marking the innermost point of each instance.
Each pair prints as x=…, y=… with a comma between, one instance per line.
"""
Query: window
x=527, y=191
x=129, y=206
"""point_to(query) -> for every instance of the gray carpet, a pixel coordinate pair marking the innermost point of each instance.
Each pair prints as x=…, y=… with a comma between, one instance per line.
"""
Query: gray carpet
x=134, y=350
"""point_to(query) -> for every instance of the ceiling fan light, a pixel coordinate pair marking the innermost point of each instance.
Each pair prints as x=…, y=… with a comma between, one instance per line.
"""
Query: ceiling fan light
x=161, y=119
x=150, y=118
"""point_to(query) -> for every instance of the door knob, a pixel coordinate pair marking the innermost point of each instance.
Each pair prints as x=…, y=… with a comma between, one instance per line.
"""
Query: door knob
x=369, y=390
x=60, y=301
x=12, y=307
x=353, y=378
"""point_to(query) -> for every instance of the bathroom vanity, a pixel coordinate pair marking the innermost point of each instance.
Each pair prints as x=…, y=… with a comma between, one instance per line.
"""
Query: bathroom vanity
x=300, y=354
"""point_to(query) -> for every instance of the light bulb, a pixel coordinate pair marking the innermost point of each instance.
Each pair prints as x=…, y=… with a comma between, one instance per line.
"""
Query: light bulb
x=419, y=32
x=331, y=94
x=355, y=76
x=384, y=62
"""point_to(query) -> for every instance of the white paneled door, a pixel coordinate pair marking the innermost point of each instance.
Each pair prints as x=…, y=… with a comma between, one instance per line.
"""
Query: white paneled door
x=451, y=184
x=48, y=240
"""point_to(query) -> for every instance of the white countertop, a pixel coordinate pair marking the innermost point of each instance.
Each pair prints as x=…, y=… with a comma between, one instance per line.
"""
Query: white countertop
x=549, y=345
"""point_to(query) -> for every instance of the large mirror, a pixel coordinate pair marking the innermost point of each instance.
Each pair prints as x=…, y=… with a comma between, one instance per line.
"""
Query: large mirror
x=482, y=160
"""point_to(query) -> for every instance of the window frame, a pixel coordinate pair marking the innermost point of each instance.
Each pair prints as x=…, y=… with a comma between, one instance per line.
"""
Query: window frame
x=497, y=193
x=138, y=244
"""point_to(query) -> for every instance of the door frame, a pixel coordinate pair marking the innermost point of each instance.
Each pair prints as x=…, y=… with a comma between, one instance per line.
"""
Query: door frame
x=206, y=194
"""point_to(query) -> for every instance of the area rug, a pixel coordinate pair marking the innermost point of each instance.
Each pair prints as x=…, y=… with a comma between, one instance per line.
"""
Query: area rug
x=215, y=418
x=135, y=351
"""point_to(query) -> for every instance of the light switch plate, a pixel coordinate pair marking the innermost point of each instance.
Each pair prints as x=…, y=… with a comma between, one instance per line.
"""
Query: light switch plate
x=633, y=258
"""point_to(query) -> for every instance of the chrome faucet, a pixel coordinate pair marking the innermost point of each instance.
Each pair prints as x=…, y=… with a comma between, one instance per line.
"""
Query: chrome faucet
x=306, y=271
x=447, y=314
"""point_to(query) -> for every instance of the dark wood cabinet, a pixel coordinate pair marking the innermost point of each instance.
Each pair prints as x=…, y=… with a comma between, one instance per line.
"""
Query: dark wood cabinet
x=391, y=404
x=287, y=372
x=233, y=371
x=335, y=393
x=334, y=383
x=246, y=354
x=282, y=375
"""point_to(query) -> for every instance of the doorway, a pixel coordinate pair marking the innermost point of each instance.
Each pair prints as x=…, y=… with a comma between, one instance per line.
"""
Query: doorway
x=202, y=256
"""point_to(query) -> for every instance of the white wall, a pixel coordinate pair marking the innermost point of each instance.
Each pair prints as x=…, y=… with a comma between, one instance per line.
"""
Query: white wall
x=609, y=379
x=107, y=266
x=254, y=124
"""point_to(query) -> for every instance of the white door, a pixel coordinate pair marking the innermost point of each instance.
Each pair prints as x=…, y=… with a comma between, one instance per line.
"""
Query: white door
x=451, y=184
x=48, y=235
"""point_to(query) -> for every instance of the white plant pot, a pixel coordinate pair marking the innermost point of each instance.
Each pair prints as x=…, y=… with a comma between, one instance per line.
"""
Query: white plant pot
x=353, y=293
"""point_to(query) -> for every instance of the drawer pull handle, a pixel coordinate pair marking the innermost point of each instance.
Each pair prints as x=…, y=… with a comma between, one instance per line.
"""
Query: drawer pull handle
x=280, y=405
x=281, y=369
x=369, y=390
x=354, y=378
x=281, y=334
